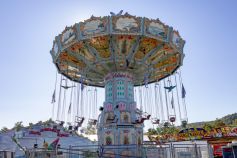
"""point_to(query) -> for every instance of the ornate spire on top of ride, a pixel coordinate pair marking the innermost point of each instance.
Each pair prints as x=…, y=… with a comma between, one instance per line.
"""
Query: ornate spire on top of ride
x=119, y=52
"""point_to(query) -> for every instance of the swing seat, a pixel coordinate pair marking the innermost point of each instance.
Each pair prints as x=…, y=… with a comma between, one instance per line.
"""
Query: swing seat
x=184, y=123
x=146, y=116
x=79, y=119
x=166, y=124
x=75, y=128
x=80, y=123
x=139, y=121
x=92, y=121
x=54, y=127
x=155, y=121
x=61, y=123
x=143, y=116
x=70, y=127
x=138, y=111
x=172, y=119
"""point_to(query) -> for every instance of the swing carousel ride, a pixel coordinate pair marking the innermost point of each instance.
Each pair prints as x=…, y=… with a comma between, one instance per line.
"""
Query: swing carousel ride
x=136, y=60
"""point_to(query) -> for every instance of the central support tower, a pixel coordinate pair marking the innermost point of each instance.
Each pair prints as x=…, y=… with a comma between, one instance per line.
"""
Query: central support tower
x=117, y=120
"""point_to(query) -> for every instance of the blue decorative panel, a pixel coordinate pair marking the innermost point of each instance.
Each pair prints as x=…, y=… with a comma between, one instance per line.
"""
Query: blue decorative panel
x=120, y=89
x=109, y=91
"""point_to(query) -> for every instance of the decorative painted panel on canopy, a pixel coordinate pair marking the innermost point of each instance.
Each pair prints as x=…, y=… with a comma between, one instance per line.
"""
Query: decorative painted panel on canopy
x=126, y=24
x=146, y=45
x=101, y=44
x=94, y=26
x=124, y=43
x=79, y=49
x=68, y=36
x=156, y=29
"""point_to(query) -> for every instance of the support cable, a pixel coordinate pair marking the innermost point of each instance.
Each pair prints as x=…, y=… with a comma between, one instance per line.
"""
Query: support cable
x=54, y=95
x=177, y=95
x=59, y=99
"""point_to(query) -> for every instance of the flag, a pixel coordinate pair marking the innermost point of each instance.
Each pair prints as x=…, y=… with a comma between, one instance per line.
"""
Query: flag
x=172, y=102
x=170, y=88
x=69, y=109
x=146, y=80
x=82, y=85
x=54, y=144
x=53, y=97
x=183, y=92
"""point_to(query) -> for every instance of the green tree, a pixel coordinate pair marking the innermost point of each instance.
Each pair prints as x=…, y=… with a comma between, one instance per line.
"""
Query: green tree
x=152, y=131
x=30, y=125
x=159, y=130
x=39, y=122
x=184, y=124
x=234, y=122
x=218, y=123
x=18, y=126
x=48, y=122
x=4, y=129
x=167, y=130
x=172, y=130
x=207, y=127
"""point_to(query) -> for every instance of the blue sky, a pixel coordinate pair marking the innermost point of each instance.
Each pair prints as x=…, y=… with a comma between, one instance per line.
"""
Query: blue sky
x=28, y=28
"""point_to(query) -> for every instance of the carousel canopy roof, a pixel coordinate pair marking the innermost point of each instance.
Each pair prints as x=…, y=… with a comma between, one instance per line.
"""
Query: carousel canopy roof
x=146, y=48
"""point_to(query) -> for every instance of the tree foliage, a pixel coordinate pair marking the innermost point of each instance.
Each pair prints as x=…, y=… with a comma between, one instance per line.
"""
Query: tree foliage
x=18, y=126
x=218, y=123
x=4, y=130
x=234, y=122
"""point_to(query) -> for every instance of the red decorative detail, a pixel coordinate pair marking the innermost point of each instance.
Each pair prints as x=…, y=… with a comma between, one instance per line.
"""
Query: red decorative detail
x=46, y=129
x=35, y=132
x=118, y=75
x=217, y=151
x=63, y=135
x=55, y=130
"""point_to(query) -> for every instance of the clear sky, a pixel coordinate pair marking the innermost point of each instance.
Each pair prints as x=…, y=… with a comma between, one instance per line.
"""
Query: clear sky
x=28, y=28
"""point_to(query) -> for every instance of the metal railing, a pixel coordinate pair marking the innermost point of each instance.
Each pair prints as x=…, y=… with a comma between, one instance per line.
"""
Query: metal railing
x=194, y=150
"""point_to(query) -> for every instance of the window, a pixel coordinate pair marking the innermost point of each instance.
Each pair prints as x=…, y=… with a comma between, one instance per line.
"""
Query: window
x=109, y=91
x=120, y=89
